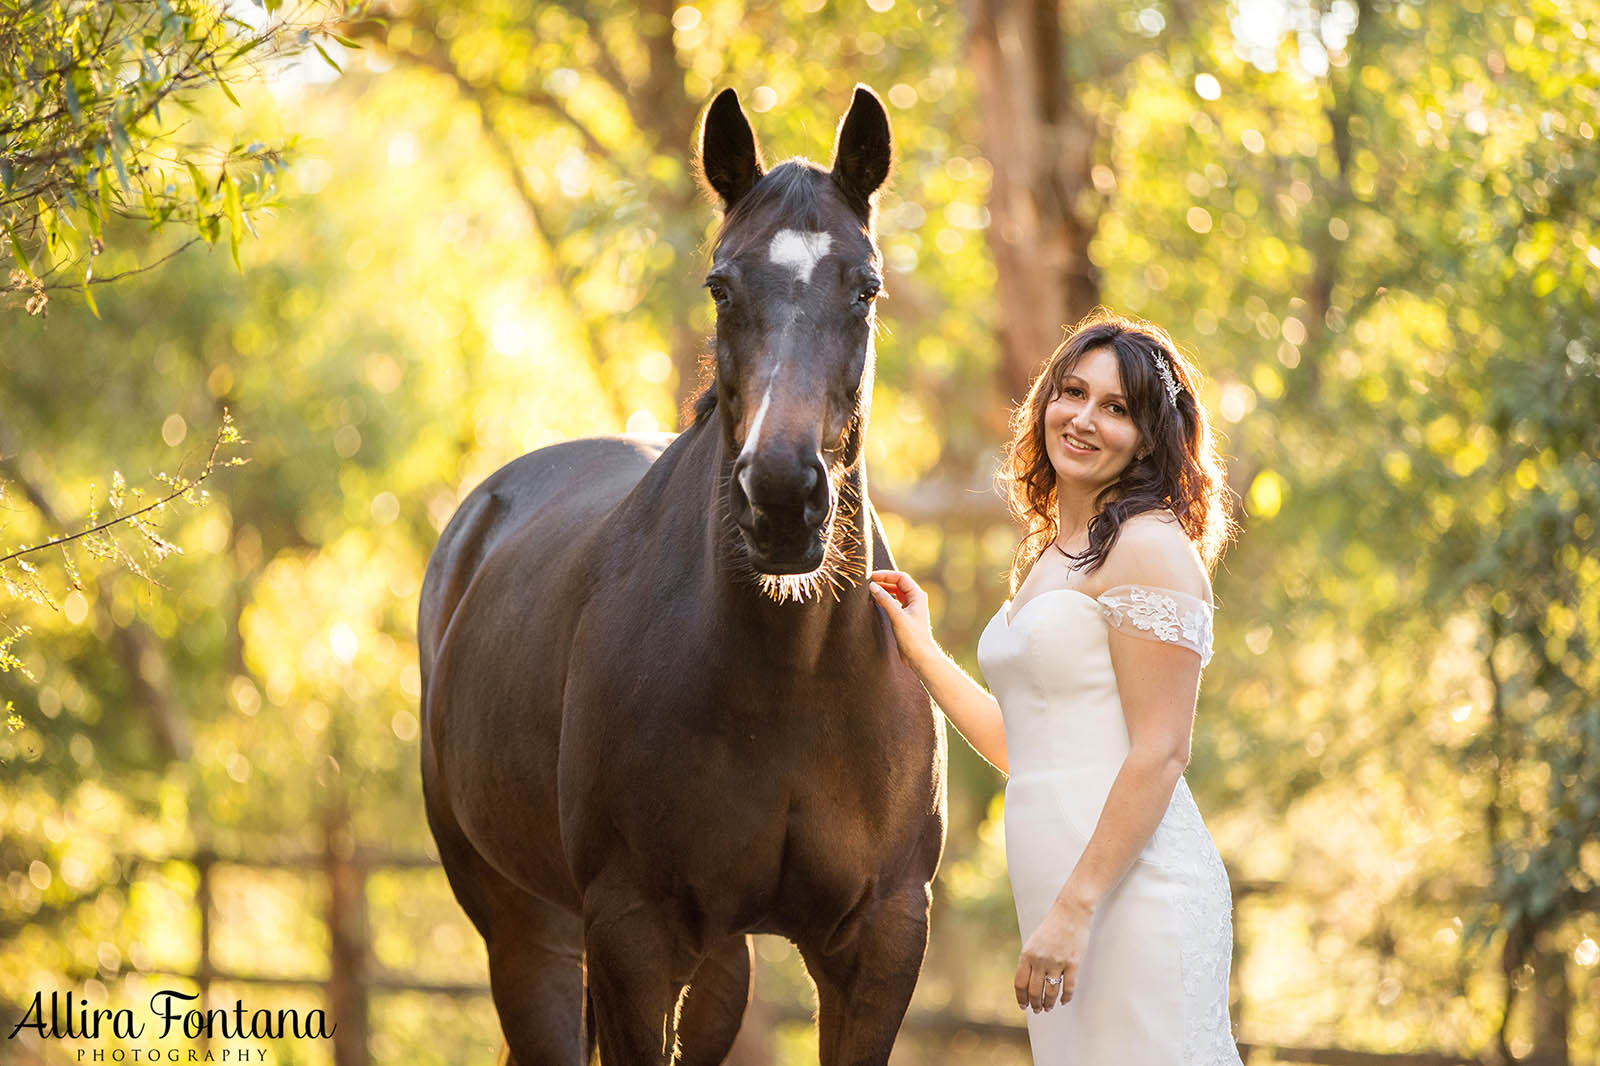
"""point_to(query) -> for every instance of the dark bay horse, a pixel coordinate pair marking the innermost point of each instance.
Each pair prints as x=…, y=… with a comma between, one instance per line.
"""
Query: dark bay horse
x=660, y=710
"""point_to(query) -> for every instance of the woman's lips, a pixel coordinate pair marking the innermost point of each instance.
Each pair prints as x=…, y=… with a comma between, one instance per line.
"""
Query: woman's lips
x=1081, y=449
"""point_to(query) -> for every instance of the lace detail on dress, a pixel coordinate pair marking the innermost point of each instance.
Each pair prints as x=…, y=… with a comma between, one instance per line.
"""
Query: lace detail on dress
x=1160, y=614
x=1182, y=845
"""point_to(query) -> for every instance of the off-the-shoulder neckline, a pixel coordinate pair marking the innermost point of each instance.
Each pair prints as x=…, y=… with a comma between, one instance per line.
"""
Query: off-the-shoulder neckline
x=1010, y=618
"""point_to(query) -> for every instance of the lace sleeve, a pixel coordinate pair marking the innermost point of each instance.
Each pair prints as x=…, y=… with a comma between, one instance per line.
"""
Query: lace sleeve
x=1166, y=615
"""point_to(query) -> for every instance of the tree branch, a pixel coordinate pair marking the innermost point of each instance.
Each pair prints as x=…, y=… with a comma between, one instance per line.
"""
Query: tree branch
x=438, y=59
x=37, y=498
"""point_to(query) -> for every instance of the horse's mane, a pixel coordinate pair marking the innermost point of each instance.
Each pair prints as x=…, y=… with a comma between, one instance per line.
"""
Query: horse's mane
x=705, y=403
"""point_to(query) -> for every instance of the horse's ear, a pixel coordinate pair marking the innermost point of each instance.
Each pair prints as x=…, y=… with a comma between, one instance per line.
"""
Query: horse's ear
x=862, y=153
x=730, y=159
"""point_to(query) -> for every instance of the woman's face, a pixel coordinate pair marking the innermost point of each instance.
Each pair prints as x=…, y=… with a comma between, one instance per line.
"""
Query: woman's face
x=1089, y=432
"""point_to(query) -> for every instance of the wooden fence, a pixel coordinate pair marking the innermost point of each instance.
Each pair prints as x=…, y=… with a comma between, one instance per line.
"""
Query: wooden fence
x=353, y=975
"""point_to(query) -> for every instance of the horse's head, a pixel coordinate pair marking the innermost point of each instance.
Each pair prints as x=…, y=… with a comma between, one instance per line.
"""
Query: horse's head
x=794, y=274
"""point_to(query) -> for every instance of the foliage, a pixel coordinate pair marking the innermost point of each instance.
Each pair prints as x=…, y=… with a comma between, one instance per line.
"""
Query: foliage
x=91, y=100
x=103, y=538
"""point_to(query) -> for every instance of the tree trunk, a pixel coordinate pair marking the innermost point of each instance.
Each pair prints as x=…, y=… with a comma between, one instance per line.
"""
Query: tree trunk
x=1043, y=208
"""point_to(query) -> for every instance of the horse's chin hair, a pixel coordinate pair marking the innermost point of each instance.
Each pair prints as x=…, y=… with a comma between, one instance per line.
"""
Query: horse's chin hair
x=843, y=556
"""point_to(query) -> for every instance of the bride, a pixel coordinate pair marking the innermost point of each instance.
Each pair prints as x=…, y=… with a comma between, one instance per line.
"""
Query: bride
x=1122, y=899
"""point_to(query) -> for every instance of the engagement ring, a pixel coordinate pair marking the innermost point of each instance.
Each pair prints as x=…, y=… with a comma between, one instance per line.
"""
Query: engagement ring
x=1052, y=980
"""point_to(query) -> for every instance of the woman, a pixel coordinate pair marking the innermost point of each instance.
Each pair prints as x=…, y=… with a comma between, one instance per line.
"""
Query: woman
x=1095, y=664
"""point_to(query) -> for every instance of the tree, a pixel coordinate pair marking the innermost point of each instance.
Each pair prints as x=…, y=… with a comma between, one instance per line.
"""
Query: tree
x=90, y=101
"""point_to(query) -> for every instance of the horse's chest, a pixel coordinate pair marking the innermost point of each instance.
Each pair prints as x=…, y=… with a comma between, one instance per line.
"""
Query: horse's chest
x=750, y=774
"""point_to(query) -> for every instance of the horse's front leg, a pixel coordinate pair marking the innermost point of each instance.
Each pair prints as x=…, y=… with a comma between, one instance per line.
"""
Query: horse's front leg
x=637, y=968
x=863, y=988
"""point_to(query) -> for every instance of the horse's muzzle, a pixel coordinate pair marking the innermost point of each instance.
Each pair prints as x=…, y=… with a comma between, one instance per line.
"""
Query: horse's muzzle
x=782, y=511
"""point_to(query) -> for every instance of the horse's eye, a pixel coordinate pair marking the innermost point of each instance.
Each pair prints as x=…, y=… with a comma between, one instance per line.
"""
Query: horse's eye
x=868, y=292
x=719, y=293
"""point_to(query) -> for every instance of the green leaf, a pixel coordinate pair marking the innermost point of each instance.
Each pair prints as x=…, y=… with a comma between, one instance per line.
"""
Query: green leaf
x=122, y=172
x=88, y=292
x=228, y=92
x=21, y=256
x=199, y=180
x=327, y=57
x=231, y=207
x=342, y=39
x=106, y=195
x=92, y=213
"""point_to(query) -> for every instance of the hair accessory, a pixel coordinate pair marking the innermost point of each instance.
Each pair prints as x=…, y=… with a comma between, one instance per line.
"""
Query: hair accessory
x=1166, y=374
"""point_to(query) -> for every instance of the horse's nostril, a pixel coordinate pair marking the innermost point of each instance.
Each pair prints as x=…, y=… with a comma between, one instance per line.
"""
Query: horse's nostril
x=816, y=493
x=739, y=494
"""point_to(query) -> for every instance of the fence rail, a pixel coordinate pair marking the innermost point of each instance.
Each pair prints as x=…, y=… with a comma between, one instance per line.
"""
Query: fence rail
x=353, y=977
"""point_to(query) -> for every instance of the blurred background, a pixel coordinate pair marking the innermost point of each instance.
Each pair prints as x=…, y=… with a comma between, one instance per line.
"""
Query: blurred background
x=1373, y=224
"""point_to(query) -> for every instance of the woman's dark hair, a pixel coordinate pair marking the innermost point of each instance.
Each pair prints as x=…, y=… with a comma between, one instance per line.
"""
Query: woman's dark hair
x=1181, y=473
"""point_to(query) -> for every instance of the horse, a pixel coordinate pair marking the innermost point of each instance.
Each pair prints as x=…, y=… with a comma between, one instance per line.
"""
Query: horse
x=660, y=711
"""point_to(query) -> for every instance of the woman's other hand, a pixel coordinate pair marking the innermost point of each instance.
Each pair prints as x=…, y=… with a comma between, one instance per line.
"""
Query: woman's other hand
x=1048, y=967
x=906, y=604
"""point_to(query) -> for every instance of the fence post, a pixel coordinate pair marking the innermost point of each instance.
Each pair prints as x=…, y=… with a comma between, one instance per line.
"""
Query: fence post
x=204, y=860
x=1235, y=981
x=347, y=936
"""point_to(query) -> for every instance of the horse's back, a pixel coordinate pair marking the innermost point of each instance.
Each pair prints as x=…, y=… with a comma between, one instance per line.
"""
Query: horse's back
x=571, y=485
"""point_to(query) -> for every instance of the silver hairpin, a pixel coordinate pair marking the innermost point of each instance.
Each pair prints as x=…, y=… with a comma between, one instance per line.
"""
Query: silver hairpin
x=1166, y=374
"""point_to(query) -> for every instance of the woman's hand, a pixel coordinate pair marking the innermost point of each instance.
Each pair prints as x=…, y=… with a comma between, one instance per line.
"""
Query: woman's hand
x=903, y=600
x=1054, y=950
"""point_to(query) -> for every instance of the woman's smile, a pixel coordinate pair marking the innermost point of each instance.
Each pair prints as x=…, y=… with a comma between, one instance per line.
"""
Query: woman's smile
x=1077, y=445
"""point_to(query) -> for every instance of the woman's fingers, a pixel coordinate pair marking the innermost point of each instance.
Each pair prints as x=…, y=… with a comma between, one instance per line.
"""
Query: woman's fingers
x=885, y=594
x=890, y=578
x=1032, y=992
x=894, y=582
x=1058, y=992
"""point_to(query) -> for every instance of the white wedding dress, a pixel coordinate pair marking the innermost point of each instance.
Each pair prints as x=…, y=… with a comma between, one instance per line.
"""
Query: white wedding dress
x=1152, y=987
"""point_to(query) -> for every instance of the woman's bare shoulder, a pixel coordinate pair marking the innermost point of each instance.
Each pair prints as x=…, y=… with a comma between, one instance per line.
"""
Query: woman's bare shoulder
x=1152, y=549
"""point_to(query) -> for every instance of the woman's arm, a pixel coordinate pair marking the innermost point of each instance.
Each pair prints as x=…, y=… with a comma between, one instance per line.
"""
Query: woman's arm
x=968, y=705
x=1158, y=684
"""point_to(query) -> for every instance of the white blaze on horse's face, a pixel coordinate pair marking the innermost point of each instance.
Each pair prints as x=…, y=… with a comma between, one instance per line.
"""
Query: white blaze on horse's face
x=754, y=433
x=800, y=252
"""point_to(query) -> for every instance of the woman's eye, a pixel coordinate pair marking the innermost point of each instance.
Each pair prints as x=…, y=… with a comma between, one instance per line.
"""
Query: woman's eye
x=1073, y=391
x=1118, y=409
